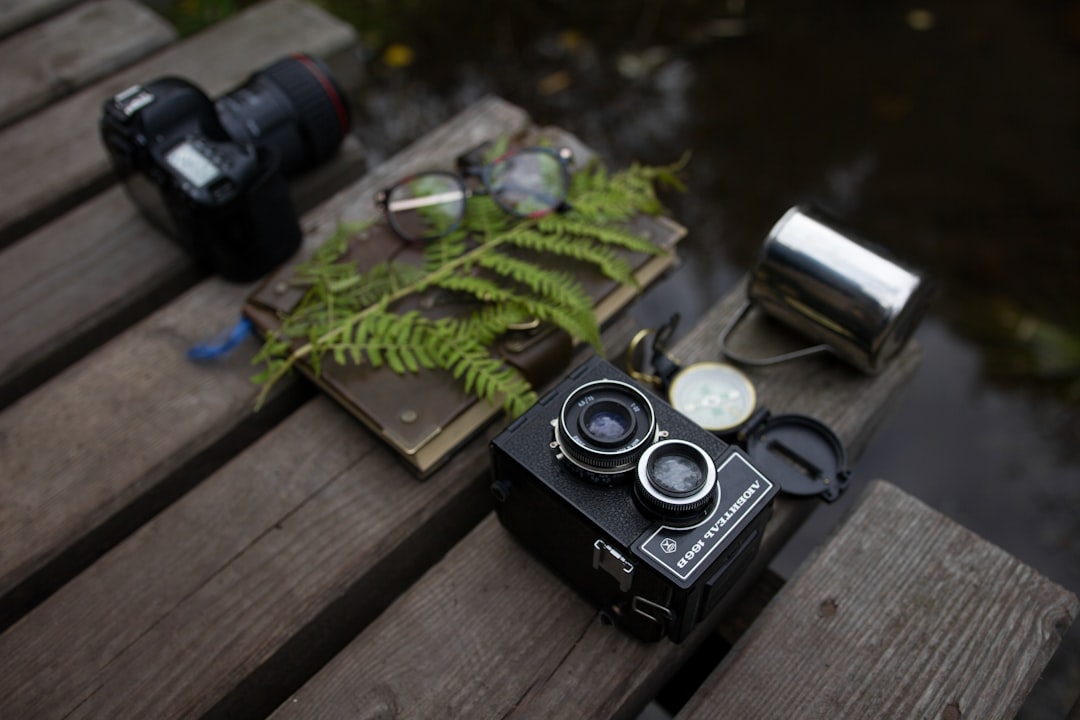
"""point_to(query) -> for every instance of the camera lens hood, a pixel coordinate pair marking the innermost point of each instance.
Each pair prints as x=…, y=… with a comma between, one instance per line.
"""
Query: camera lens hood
x=293, y=105
x=321, y=107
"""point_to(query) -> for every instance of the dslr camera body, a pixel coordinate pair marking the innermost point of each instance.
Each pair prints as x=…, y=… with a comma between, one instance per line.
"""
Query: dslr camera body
x=646, y=514
x=213, y=173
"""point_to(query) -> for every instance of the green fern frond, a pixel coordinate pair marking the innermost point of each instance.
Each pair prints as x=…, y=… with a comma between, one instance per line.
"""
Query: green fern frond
x=487, y=323
x=608, y=235
x=486, y=218
x=605, y=259
x=579, y=321
x=558, y=287
x=602, y=198
x=346, y=316
x=443, y=250
x=487, y=377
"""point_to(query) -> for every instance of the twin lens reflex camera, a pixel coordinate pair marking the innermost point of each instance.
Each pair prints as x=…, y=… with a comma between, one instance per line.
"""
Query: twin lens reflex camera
x=646, y=514
x=212, y=172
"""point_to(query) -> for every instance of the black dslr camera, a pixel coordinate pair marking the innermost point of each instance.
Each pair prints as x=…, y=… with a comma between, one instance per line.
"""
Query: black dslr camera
x=646, y=514
x=212, y=173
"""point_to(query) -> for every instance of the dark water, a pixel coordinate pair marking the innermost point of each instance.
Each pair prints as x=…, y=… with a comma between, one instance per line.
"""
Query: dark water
x=949, y=133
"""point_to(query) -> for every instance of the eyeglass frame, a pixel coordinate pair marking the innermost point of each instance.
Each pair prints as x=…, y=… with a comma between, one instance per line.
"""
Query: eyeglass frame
x=467, y=168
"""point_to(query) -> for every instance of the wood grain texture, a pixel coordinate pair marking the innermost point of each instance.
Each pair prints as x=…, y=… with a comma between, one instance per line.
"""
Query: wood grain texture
x=212, y=590
x=75, y=282
x=487, y=633
x=17, y=14
x=59, y=56
x=116, y=424
x=58, y=150
x=902, y=613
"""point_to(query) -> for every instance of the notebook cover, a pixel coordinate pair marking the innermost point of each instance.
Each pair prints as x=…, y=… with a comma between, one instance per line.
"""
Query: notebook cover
x=425, y=416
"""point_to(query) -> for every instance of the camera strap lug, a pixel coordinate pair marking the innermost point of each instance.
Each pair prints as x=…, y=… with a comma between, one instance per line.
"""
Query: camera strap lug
x=653, y=611
x=612, y=562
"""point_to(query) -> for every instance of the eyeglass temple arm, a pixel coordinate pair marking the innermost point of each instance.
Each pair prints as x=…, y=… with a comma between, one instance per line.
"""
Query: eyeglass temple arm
x=425, y=200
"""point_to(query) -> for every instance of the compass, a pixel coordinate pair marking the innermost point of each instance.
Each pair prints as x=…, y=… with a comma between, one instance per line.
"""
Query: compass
x=715, y=395
x=800, y=453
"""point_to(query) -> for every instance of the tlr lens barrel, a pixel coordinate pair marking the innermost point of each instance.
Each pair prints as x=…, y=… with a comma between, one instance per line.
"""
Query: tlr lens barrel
x=603, y=428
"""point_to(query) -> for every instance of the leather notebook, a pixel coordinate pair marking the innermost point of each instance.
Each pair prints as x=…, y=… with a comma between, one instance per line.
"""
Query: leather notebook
x=425, y=416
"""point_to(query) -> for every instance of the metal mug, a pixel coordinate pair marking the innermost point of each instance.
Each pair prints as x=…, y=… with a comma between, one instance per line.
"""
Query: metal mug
x=833, y=289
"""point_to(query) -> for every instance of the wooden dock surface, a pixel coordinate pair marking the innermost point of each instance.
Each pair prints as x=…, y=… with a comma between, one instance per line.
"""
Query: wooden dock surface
x=165, y=552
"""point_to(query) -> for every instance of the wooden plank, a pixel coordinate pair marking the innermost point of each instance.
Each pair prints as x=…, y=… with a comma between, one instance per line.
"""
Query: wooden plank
x=265, y=569
x=72, y=284
x=17, y=14
x=902, y=613
x=115, y=428
x=58, y=150
x=56, y=58
x=733, y=625
x=489, y=633
x=263, y=572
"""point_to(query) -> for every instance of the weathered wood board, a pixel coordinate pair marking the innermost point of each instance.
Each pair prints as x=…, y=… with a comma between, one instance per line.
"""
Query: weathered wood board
x=58, y=150
x=509, y=638
x=63, y=54
x=166, y=553
x=18, y=14
x=902, y=613
x=70, y=285
x=319, y=474
x=120, y=424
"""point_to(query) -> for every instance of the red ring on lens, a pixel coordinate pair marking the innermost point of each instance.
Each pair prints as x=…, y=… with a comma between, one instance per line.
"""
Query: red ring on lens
x=328, y=87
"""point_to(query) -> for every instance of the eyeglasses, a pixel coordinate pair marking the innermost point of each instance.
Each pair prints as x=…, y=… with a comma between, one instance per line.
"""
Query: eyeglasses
x=527, y=182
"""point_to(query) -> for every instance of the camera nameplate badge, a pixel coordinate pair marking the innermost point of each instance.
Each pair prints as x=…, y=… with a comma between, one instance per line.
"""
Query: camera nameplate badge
x=684, y=553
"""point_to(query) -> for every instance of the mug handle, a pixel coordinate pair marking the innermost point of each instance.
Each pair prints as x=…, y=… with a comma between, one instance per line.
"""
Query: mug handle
x=761, y=362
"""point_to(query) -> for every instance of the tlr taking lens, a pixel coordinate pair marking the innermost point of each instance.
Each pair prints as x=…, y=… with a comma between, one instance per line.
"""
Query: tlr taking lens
x=676, y=475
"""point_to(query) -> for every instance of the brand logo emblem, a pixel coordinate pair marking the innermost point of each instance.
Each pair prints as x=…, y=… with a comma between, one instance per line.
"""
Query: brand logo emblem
x=668, y=545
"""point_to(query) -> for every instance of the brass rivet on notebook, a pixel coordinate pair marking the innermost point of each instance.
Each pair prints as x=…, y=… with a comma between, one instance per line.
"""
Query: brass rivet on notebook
x=408, y=416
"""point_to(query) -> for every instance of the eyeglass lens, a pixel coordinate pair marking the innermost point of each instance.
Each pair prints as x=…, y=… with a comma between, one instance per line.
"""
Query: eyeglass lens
x=527, y=183
x=426, y=206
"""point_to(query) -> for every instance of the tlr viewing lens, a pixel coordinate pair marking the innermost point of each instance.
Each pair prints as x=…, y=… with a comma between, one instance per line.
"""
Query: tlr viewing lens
x=603, y=428
x=607, y=423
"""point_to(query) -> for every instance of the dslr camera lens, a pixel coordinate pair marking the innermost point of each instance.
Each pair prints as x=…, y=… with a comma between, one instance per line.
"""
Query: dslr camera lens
x=293, y=105
x=603, y=428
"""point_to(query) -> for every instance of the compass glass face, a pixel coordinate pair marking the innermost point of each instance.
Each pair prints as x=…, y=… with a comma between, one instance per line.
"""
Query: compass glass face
x=716, y=396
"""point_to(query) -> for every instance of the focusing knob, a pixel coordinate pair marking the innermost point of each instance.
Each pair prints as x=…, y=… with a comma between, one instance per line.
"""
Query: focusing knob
x=676, y=480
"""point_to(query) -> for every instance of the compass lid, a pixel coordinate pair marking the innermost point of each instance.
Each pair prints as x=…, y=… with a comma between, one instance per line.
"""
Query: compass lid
x=803, y=455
